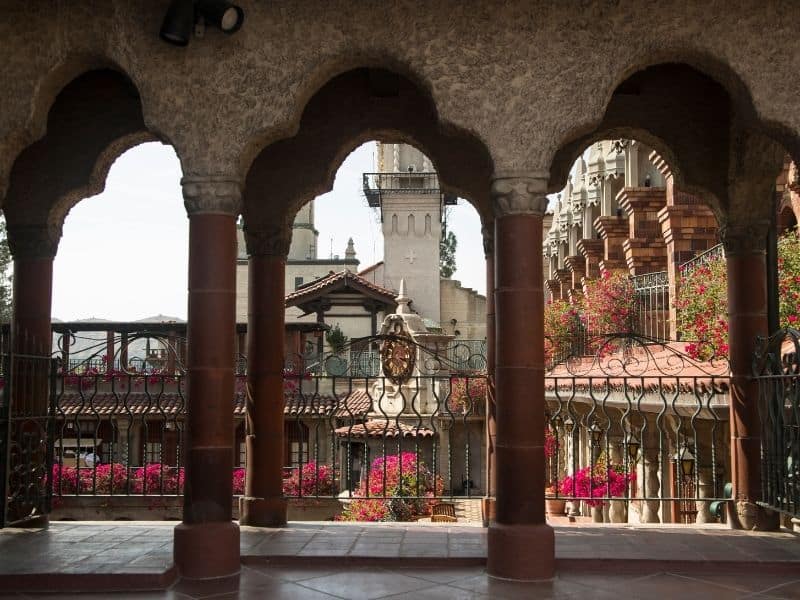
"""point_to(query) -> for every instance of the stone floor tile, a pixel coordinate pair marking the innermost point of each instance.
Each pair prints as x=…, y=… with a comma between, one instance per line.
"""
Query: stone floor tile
x=440, y=592
x=365, y=585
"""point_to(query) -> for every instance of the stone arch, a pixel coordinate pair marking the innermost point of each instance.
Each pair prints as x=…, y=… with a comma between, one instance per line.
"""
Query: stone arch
x=355, y=107
x=93, y=119
x=45, y=91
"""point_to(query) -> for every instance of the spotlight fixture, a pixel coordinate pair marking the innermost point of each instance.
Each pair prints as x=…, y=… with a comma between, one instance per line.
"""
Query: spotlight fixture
x=224, y=15
x=182, y=15
x=178, y=22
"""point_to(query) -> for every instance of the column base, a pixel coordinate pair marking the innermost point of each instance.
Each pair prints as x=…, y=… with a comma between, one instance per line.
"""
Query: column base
x=489, y=508
x=263, y=512
x=207, y=550
x=521, y=552
x=753, y=517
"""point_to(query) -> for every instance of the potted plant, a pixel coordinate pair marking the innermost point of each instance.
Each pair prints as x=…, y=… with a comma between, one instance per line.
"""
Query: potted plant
x=552, y=505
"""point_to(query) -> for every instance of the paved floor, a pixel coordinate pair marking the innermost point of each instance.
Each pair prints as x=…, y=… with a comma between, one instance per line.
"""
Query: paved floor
x=332, y=560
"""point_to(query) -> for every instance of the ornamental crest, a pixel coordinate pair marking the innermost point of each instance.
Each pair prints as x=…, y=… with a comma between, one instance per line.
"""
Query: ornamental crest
x=398, y=354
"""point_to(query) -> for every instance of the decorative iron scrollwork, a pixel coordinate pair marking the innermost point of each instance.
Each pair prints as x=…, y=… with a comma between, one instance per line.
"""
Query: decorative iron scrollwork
x=398, y=355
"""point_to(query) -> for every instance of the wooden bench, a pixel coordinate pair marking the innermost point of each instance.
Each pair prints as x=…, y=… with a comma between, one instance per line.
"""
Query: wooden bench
x=443, y=512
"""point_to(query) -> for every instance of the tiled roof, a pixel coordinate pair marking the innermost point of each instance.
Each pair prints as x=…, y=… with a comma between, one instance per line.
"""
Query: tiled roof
x=378, y=428
x=333, y=281
x=661, y=368
x=356, y=404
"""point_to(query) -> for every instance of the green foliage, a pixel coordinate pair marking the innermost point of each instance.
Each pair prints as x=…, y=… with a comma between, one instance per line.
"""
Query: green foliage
x=789, y=278
x=611, y=305
x=447, y=254
x=702, y=308
x=702, y=302
x=336, y=339
x=562, y=325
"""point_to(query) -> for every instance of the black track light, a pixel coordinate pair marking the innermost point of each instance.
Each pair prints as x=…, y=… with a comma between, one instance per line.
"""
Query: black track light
x=178, y=22
x=183, y=14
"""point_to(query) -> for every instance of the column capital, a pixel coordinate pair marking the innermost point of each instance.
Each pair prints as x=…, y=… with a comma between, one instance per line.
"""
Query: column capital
x=519, y=193
x=33, y=241
x=272, y=239
x=744, y=238
x=212, y=195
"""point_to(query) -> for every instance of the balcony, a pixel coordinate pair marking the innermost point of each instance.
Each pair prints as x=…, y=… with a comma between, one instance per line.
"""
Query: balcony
x=378, y=184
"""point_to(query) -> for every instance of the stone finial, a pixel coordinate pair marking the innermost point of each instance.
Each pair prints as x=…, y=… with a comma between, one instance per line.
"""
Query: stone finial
x=212, y=194
x=350, y=251
x=744, y=238
x=519, y=194
x=403, y=301
x=33, y=241
x=273, y=239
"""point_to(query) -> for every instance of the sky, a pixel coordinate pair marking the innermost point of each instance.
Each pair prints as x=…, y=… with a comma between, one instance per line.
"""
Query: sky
x=123, y=253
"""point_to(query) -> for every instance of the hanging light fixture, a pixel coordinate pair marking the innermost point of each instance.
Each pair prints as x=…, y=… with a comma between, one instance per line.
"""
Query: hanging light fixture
x=633, y=445
x=183, y=14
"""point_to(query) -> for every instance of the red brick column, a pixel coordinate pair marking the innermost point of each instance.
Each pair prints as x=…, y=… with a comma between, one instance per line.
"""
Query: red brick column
x=592, y=252
x=207, y=542
x=644, y=248
x=521, y=545
x=565, y=279
x=745, y=247
x=263, y=503
x=33, y=248
x=613, y=231
x=490, y=503
x=577, y=266
x=688, y=230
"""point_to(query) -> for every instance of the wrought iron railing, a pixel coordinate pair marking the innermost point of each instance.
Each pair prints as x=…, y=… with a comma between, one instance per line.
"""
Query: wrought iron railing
x=714, y=253
x=652, y=298
x=776, y=368
x=638, y=432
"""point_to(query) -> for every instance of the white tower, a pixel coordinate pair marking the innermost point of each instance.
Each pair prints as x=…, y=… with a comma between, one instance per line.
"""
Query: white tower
x=407, y=191
x=304, y=235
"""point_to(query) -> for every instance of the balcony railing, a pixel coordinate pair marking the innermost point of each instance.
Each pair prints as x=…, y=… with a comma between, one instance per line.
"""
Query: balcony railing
x=377, y=184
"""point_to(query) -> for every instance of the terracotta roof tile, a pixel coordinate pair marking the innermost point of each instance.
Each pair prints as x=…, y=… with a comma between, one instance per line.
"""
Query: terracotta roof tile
x=378, y=428
x=344, y=278
x=356, y=404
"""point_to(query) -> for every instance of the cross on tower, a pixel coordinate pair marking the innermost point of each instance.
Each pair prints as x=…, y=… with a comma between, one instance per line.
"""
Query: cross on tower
x=411, y=256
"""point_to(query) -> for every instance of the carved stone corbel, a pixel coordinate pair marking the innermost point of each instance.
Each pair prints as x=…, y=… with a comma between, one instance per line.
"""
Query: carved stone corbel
x=740, y=239
x=273, y=239
x=212, y=195
x=519, y=194
x=33, y=241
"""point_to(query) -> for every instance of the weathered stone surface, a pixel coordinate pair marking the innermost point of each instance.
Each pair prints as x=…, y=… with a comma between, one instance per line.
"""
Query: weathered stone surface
x=504, y=72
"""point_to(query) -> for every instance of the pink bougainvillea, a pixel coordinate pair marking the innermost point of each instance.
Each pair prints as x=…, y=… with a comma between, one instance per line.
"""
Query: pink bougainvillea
x=399, y=484
x=604, y=482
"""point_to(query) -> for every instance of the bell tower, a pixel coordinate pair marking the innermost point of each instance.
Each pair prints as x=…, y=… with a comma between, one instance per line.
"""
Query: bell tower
x=406, y=189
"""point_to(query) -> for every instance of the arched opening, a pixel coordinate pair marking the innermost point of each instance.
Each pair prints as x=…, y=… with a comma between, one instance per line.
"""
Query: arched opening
x=410, y=180
x=101, y=268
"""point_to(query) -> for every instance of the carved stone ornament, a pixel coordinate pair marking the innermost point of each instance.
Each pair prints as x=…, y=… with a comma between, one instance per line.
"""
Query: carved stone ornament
x=212, y=195
x=268, y=240
x=33, y=241
x=398, y=354
x=745, y=238
x=488, y=240
x=519, y=195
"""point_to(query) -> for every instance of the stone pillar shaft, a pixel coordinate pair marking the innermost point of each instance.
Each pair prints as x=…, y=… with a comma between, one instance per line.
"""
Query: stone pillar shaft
x=207, y=542
x=263, y=503
x=521, y=545
x=745, y=247
x=491, y=408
